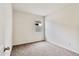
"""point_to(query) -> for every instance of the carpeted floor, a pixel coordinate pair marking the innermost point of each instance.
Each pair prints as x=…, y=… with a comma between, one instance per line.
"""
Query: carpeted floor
x=41, y=49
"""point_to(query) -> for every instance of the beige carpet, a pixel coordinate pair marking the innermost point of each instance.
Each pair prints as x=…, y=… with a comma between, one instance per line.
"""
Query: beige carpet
x=41, y=49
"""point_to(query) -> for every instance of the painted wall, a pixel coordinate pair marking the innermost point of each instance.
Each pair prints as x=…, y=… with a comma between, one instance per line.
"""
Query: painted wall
x=62, y=27
x=23, y=28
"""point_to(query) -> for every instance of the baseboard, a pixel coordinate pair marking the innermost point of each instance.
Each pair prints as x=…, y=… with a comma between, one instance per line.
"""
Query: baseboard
x=62, y=46
x=29, y=43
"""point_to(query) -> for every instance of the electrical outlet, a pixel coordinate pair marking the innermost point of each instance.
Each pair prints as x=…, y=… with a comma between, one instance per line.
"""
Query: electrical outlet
x=69, y=43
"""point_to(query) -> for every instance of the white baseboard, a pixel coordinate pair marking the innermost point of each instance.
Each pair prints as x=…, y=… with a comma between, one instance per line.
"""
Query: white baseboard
x=62, y=46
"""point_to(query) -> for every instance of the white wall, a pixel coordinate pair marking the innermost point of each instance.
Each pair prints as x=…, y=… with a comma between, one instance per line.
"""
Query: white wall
x=62, y=27
x=23, y=28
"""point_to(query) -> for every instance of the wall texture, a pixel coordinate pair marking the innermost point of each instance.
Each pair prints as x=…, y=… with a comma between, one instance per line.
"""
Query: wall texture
x=62, y=27
x=23, y=28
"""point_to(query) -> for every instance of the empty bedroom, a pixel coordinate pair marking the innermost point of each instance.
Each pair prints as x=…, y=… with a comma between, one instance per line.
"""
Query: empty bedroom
x=39, y=29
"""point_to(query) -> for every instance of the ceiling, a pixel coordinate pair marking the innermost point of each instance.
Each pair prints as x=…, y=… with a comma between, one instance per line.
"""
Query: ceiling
x=41, y=9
